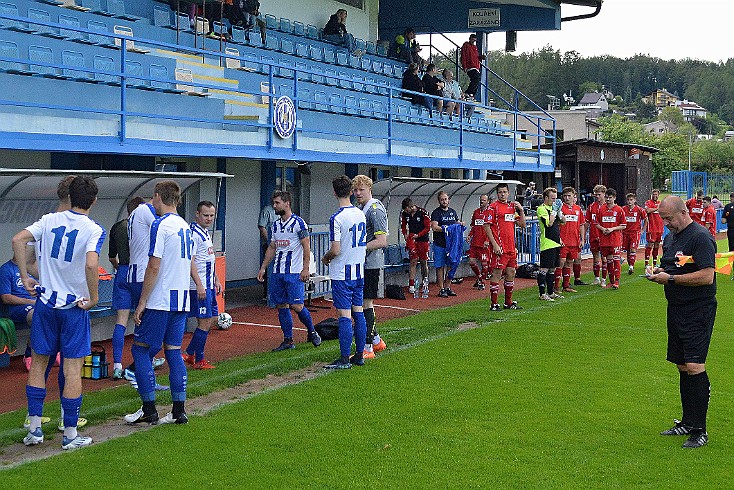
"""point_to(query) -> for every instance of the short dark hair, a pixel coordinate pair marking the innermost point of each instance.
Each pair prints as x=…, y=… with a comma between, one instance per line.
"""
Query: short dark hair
x=82, y=192
x=610, y=192
x=205, y=204
x=409, y=30
x=169, y=192
x=62, y=190
x=503, y=185
x=342, y=186
x=699, y=193
x=707, y=198
x=407, y=202
x=472, y=35
x=568, y=189
x=134, y=203
x=284, y=196
x=430, y=66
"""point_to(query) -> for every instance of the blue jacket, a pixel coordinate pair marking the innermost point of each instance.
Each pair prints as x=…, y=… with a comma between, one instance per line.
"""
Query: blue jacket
x=454, y=246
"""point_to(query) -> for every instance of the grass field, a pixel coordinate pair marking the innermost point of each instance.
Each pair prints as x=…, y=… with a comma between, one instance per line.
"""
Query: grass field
x=571, y=394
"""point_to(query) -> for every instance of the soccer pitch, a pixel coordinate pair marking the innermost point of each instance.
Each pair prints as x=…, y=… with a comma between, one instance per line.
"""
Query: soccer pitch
x=568, y=394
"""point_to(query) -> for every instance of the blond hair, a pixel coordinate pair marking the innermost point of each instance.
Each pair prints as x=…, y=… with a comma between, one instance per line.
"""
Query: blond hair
x=362, y=181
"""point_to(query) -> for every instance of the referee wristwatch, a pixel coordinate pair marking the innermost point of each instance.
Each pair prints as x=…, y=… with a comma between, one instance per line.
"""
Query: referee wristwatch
x=671, y=279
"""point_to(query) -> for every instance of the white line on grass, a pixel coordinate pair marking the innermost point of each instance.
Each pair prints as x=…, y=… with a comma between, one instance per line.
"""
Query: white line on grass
x=269, y=326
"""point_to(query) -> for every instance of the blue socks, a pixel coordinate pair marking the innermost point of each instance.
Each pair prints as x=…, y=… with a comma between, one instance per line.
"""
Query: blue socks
x=360, y=331
x=118, y=343
x=286, y=322
x=345, y=335
x=305, y=316
x=197, y=343
x=144, y=372
x=71, y=407
x=35, y=398
x=177, y=374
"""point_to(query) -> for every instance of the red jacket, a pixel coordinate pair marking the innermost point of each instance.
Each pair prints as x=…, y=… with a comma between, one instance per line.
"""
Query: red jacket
x=470, y=56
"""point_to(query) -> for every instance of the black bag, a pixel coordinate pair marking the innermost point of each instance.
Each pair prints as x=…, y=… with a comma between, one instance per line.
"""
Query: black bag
x=394, y=291
x=528, y=271
x=328, y=329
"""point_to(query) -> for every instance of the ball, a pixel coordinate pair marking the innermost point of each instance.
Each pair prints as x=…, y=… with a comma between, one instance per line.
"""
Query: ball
x=224, y=321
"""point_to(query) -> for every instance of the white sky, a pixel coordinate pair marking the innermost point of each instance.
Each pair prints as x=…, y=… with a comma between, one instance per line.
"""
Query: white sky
x=667, y=29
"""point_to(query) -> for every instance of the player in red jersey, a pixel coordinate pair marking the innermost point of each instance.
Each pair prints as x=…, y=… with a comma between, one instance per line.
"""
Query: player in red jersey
x=709, y=216
x=695, y=207
x=636, y=219
x=572, y=237
x=479, y=251
x=591, y=212
x=654, y=233
x=500, y=229
x=610, y=221
x=415, y=224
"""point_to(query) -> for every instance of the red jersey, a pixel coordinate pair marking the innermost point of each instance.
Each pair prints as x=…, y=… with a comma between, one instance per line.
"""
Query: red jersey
x=478, y=237
x=609, y=218
x=634, y=217
x=654, y=221
x=695, y=209
x=571, y=229
x=501, y=218
x=591, y=213
x=418, y=224
x=709, y=218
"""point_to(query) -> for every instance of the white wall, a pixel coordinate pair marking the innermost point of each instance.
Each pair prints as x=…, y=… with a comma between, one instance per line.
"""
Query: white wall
x=317, y=12
x=243, y=208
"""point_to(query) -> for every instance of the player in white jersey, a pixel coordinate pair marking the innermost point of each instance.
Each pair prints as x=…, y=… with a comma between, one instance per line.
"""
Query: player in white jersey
x=160, y=317
x=345, y=258
x=204, y=286
x=290, y=246
x=68, y=260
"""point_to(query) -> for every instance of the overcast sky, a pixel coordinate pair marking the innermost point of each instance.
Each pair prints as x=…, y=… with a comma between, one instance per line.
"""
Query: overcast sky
x=667, y=29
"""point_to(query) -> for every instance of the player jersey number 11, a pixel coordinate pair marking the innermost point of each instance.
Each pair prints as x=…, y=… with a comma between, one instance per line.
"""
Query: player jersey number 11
x=59, y=234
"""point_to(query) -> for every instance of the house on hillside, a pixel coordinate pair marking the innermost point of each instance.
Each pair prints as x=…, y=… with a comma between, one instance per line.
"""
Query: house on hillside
x=661, y=98
x=691, y=110
x=660, y=127
x=595, y=99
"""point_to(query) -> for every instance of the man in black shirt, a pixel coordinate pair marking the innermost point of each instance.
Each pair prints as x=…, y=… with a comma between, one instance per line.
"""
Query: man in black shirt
x=690, y=288
x=442, y=216
x=728, y=218
x=415, y=224
x=433, y=86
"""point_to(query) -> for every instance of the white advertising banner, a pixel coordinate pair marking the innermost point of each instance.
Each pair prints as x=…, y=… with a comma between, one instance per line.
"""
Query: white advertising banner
x=484, y=18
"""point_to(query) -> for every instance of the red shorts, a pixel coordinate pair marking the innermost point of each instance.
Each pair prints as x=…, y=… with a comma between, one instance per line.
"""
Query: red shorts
x=503, y=261
x=594, y=245
x=480, y=253
x=607, y=251
x=419, y=251
x=570, y=253
x=630, y=242
x=654, y=236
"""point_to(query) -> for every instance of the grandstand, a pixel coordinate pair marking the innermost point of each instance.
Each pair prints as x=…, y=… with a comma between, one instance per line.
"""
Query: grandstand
x=179, y=99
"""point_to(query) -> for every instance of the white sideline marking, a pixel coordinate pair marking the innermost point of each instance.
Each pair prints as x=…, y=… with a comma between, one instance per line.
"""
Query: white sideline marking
x=396, y=307
x=269, y=326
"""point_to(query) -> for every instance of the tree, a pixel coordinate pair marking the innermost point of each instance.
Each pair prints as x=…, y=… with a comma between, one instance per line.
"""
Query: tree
x=589, y=88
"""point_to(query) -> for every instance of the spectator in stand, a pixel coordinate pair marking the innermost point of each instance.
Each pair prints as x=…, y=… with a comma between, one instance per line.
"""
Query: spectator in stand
x=246, y=14
x=433, y=86
x=412, y=82
x=716, y=203
x=471, y=62
x=452, y=92
x=407, y=48
x=727, y=218
x=335, y=31
x=709, y=216
x=416, y=224
x=530, y=191
x=695, y=207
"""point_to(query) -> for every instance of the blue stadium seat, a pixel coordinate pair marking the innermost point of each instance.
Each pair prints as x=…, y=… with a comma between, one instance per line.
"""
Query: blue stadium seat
x=381, y=50
x=10, y=50
x=135, y=76
x=286, y=46
x=345, y=81
x=271, y=22
x=160, y=80
x=365, y=108
x=107, y=65
x=365, y=63
x=354, y=61
x=304, y=98
x=316, y=53
x=219, y=27
x=299, y=29
x=95, y=7
x=312, y=32
x=42, y=19
x=387, y=69
x=360, y=44
x=370, y=48
x=10, y=9
x=350, y=104
x=342, y=58
x=238, y=35
x=358, y=83
x=72, y=60
x=285, y=25
x=184, y=23
x=377, y=66
x=400, y=111
x=321, y=100
x=301, y=68
x=379, y=109
x=330, y=77
x=251, y=63
x=100, y=39
x=267, y=62
x=72, y=22
x=162, y=16
x=329, y=56
x=286, y=70
x=318, y=76
x=369, y=86
x=302, y=50
x=272, y=42
x=254, y=40
x=43, y=54
x=117, y=9
x=336, y=104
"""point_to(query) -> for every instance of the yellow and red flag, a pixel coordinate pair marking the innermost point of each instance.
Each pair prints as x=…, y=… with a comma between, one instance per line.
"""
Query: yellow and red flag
x=723, y=265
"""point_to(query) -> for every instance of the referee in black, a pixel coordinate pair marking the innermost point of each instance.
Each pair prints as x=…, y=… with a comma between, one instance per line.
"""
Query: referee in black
x=691, y=293
x=728, y=218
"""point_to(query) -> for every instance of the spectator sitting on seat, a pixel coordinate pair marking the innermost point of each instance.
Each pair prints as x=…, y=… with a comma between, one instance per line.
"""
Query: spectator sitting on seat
x=433, y=86
x=411, y=81
x=452, y=92
x=246, y=14
x=336, y=32
x=406, y=48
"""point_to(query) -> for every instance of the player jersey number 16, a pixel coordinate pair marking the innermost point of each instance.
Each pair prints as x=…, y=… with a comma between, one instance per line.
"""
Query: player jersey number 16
x=359, y=227
x=59, y=234
x=187, y=244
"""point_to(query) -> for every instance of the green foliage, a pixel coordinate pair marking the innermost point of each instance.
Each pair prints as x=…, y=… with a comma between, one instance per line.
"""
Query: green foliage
x=589, y=88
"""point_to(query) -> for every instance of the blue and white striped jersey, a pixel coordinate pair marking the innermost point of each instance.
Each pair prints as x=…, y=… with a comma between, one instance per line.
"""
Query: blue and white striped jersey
x=63, y=242
x=203, y=256
x=138, y=235
x=170, y=241
x=287, y=237
x=348, y=226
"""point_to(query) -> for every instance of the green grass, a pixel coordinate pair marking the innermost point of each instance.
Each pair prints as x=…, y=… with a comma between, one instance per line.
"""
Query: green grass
x=561, y=395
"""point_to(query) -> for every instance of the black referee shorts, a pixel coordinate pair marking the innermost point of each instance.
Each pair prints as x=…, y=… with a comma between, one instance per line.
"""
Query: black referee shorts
x=371, y=283
x=550, y=258
x=689, y=331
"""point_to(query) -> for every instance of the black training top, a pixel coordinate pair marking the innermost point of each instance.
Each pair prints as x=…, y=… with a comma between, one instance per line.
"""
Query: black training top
x=729, y=215
x=443, y=218
x=696, y=241
x=119, y=246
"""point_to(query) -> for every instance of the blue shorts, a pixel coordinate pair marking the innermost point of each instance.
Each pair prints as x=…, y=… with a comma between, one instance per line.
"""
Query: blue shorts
x=439, y=256
x=136, y=289
x=347, y=293
x=205, y=308
x=55, y=330
x=18, y=313
x=121, y=294
x=287, y=289
x=159, y=327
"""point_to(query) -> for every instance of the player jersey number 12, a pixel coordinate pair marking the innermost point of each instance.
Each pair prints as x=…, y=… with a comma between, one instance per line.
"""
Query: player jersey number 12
x=362, y=232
